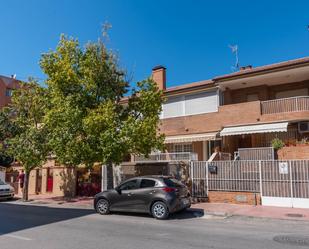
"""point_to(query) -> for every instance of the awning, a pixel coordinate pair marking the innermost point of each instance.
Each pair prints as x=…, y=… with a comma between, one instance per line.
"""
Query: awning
x=190, y=138
x=250, y=129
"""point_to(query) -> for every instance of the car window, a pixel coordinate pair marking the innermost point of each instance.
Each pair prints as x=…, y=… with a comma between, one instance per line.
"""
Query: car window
x=2, y=183
x=129, y=185
x=146, y=183
x=171, y=182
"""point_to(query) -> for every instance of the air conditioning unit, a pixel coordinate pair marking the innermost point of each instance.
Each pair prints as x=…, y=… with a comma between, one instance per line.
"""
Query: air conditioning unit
x=303, y=127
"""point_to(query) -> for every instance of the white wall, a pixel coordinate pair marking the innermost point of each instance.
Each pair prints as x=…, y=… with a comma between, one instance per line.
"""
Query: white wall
x=191, y=104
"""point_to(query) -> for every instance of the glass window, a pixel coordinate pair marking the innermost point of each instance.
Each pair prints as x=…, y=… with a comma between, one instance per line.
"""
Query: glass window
x=171, y=182
x=178, y=148
x=129, y=185
x=8, y=92
x=145, y=183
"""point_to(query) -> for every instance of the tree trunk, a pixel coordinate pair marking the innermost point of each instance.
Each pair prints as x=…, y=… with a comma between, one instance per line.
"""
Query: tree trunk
x=110, y=175
x=26, y=186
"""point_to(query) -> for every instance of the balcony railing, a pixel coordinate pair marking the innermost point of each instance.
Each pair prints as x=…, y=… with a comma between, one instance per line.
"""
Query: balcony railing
x=166, y=157
x=261, y=153
x=294, y=104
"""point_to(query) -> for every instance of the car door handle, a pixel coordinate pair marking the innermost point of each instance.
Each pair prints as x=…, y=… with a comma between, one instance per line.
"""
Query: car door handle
x=129, y=194
x=152, y=192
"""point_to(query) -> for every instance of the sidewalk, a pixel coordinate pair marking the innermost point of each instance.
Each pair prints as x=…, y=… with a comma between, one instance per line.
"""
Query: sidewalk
x=224, y=209
x=217, y=209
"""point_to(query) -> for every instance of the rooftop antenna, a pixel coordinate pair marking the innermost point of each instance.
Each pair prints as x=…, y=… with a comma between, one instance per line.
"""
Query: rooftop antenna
x=234, y=49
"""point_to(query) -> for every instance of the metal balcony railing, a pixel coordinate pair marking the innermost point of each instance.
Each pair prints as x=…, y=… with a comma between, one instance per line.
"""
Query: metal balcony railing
x=261, y=153
x=293, y=104
x=166, y=157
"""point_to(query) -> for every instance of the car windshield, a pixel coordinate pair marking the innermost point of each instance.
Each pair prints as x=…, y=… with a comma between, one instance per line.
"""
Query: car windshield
x=171, y=182
x=2, y=183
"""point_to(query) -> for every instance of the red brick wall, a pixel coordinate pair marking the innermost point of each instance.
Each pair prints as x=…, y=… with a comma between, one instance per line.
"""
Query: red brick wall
x=247, y=198
x=294, y=152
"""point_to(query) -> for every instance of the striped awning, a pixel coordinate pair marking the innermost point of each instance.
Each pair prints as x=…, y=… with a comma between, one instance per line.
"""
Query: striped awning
x=190, y=138
x=251, y=129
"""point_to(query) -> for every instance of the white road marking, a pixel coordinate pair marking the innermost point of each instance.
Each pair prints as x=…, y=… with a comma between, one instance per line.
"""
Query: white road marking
x=16, y=237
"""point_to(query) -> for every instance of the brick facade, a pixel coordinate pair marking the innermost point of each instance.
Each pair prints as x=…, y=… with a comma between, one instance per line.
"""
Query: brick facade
x=294, y=152
x=234, y=197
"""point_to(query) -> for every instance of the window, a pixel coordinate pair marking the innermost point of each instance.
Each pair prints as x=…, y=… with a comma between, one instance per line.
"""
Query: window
x=252, y=97
x=171, y=182
x=8, y=92
x=178, y=148
x=292, y=93
x=204, y=102
x=190, y=104
x=173, y=107
x=129, y=185
x=146, y=183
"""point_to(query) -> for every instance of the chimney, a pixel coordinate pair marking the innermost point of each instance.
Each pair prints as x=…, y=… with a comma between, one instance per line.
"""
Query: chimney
x=246, y=68
x=159, y=76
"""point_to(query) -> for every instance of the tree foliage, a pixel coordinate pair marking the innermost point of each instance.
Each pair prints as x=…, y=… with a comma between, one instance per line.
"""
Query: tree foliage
x=89, y=121
x=23, y=133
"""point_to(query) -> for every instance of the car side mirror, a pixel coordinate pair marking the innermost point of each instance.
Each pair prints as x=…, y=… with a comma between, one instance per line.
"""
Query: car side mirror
x=118, y=190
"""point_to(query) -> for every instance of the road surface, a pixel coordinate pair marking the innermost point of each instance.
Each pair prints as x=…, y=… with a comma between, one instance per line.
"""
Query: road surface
x=41, y=227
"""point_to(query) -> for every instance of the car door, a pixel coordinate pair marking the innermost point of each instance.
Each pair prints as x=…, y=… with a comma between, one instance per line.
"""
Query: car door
x=144, y=194
x=124, y=198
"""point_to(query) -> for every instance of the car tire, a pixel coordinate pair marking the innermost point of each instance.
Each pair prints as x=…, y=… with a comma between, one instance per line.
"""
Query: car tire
x=102, y=207
x=159, y=210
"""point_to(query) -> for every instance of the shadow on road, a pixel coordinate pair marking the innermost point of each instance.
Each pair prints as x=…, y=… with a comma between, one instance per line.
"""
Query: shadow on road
x=188, y=214
x=15, y=217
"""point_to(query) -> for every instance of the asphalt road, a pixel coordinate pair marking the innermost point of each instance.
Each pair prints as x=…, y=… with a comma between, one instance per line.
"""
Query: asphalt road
x=38, y=227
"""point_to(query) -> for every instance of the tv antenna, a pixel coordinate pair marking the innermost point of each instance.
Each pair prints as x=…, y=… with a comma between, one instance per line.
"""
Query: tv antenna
x=234, y=49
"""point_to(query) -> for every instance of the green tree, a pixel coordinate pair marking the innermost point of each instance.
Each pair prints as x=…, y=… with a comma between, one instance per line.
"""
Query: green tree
x=89, y=120
x=25, y=133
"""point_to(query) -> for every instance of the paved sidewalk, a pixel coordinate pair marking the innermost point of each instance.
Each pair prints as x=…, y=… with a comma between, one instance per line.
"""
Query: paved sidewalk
x=254, y=211
x=217, y=209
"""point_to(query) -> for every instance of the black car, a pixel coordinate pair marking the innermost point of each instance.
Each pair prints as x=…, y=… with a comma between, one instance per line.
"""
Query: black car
x=156, y=195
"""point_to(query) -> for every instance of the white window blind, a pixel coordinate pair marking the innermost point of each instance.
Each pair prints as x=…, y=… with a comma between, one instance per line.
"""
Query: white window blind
x=191, y=104
x=204, y=102
x=173, y=107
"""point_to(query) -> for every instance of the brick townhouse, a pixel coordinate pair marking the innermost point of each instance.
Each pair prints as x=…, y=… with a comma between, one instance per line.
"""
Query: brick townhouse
x=51, y=178
x=241, y=110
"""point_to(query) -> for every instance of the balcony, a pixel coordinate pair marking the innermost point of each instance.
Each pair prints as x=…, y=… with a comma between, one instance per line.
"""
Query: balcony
x=167, y=157
x=294, y=104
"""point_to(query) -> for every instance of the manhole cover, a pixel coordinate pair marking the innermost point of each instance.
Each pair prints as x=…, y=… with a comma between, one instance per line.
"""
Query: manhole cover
x=295, y=215
x=292, y=240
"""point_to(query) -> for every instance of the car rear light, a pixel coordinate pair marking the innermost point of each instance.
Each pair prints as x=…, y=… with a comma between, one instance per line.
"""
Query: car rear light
x=170, y=190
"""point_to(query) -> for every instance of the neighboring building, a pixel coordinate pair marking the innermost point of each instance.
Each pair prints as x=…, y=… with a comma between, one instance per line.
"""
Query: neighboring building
x=244, y=109
x=7, y=85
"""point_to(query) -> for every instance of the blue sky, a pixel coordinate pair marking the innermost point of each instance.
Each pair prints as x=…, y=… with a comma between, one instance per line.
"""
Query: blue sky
x=190, y=38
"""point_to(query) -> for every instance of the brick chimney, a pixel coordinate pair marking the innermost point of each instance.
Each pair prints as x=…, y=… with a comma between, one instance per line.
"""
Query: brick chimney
x=248, y=67
x=159, y=76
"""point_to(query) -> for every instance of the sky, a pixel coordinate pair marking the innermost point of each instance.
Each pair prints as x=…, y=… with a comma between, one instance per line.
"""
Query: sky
x=190, y=38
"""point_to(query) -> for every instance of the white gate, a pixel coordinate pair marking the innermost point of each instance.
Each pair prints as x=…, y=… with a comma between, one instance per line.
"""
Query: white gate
x=199, y=178
x=285, y=183
x=280, y=183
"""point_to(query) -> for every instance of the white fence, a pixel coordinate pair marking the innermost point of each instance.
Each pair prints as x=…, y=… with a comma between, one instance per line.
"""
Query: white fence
x=280, y=183
x=294, y=104
x=166, y=157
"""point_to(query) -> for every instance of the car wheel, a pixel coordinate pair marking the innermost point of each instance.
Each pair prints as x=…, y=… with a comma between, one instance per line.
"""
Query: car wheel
x=102, y=207
x=159, y=210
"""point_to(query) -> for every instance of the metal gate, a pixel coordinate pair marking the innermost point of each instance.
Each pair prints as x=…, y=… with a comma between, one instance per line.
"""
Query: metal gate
x=199, y=179
x=280, y=183
x=285, y=183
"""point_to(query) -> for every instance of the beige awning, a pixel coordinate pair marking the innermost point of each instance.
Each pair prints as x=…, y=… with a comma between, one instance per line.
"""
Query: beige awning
x=250, y=129
x=190, y=138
